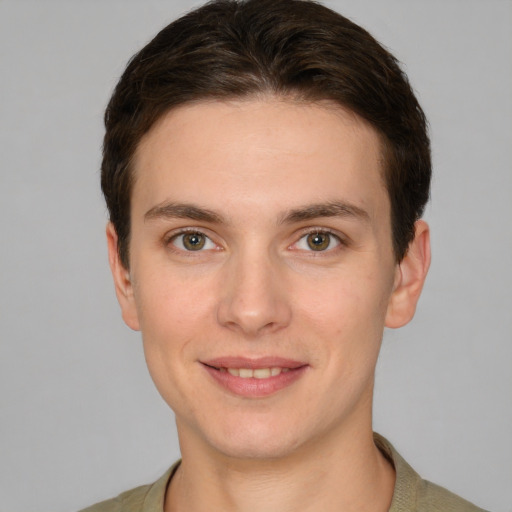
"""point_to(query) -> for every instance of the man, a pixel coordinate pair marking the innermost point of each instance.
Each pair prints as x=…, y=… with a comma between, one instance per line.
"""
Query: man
x=266, y=166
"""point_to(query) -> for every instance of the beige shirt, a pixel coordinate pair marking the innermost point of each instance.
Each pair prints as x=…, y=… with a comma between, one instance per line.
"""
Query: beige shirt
x=411, y=493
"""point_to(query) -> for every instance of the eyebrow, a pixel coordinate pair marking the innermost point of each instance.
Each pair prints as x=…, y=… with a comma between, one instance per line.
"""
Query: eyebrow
x=330, y=209
x=170, y=210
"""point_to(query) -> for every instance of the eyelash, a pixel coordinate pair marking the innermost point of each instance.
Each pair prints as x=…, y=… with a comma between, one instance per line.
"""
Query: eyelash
x=333, y=237
x=171, y=238
x=340, y=242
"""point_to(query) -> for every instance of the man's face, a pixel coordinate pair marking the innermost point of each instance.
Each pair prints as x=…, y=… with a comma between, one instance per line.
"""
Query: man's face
x=261, y=272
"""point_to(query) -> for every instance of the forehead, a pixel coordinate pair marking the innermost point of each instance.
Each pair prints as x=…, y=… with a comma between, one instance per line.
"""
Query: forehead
x=260, y=150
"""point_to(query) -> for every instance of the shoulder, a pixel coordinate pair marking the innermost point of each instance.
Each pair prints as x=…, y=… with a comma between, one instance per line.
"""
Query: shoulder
x=413, y=494
x=146, y=498
x=434, y=498
x=129, y=501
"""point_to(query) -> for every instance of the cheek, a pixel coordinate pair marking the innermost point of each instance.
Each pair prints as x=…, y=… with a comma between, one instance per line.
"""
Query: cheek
x=169, y=302
x=346, y=322
x=173, y=313
x=343, y=302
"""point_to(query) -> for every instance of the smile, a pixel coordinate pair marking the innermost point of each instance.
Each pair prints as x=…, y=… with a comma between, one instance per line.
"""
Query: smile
x=257, y=373
x=254, y=378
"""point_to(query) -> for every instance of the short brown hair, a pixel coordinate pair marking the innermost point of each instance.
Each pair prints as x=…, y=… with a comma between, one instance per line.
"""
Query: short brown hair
x=237, y=48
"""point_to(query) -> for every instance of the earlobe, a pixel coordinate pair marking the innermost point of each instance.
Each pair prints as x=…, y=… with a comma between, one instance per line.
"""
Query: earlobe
x=411, y=274
x=122, y=281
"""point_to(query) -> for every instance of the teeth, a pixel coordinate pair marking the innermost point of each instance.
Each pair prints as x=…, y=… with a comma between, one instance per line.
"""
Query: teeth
x=258, y=373
x=262, y=373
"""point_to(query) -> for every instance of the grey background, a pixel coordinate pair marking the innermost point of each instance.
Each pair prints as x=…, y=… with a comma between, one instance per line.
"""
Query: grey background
x=79, y=418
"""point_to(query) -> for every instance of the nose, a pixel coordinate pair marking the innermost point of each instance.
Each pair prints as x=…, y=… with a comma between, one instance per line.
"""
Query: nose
x=254, y=296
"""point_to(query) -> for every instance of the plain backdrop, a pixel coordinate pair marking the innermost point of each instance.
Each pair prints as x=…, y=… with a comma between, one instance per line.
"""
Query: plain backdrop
x=80, y=420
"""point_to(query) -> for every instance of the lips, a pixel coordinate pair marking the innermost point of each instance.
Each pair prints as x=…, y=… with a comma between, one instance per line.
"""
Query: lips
x=256, y=373
x=254, y=377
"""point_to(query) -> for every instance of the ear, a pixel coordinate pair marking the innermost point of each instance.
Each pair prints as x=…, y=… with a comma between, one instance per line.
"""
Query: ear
x=122, y=281
x=409, y=279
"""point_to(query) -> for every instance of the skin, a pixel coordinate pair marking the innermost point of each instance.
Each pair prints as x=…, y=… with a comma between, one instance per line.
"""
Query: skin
x=252, y=170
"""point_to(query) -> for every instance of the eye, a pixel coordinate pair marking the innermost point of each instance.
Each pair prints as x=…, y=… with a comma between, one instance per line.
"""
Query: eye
x=318, y=241
x=192, y=241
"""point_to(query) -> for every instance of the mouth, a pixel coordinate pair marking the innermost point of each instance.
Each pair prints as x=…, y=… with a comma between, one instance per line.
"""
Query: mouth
x=256, y=373
x=254, y=377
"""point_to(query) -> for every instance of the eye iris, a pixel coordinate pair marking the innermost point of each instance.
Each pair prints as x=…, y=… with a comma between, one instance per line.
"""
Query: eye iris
x=194, y=241
x=318, y=241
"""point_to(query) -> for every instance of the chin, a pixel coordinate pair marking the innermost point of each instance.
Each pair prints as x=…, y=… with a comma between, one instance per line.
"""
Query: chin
x=255, y=440
x=256, y=448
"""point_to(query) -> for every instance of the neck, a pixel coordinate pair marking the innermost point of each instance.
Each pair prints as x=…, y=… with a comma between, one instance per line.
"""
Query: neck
x=348, y=473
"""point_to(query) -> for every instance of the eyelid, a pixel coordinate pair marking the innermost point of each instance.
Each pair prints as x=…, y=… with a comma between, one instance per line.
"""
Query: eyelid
x=168, y=238
x=342, y=240
x=176, y=233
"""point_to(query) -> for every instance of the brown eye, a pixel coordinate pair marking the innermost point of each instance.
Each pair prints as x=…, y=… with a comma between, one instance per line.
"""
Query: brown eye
x=318, y=241
x=194, y=241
